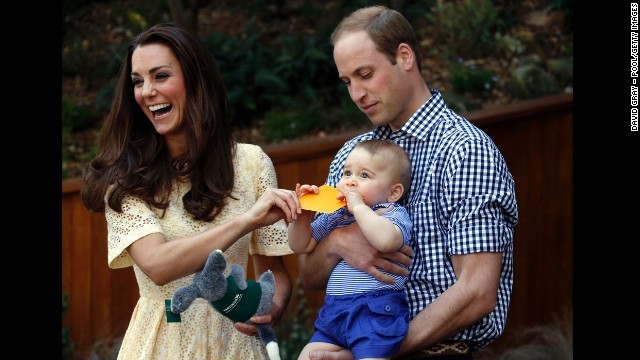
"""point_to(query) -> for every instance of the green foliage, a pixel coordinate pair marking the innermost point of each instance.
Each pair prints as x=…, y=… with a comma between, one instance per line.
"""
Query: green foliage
x=509, y=45
x=85, y=55
x=263, y=76
x=103, y=99
x=75, y=117
x=531, y=81
x=561, y=69
x=294, y=123
x=276, y=59
x=469, y=78
x=241, y=64
x=94, y=53
x=459, y=103
x=465, y=28
x=348, y=113
x=567, y=49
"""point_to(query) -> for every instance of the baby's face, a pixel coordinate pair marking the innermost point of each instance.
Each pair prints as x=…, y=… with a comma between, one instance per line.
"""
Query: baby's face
x=367, y=175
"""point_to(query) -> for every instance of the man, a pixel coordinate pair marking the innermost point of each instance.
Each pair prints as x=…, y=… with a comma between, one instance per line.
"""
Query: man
x=462, y=198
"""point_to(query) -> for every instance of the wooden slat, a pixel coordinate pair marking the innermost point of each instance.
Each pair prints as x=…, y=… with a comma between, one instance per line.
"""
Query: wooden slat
x=539, y=152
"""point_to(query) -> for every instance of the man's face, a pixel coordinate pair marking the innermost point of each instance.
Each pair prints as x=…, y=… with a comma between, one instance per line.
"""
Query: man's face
x=376, y=86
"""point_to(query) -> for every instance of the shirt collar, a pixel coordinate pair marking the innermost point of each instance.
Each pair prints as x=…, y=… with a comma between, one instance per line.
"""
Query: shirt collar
x=422, y=122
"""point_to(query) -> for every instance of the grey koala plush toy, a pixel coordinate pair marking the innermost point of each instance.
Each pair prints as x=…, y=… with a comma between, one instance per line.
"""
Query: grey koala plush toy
x=234, y=297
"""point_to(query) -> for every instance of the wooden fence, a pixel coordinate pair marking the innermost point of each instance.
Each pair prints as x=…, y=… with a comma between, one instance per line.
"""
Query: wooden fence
x=536, y=139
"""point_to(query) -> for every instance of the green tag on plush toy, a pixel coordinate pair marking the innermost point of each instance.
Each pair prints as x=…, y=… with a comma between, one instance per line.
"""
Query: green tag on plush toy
x=171, y=317
x=238, y=305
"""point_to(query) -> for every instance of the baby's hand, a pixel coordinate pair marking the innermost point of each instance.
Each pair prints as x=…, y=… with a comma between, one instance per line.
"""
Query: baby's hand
x=302, y=190
x=352, y=198
x=306, y=189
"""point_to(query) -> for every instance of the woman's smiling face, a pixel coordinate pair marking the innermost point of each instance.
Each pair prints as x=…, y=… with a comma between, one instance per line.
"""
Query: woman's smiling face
x=159, y=88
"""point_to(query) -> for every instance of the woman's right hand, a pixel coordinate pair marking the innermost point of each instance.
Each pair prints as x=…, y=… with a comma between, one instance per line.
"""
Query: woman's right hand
x=273, y=205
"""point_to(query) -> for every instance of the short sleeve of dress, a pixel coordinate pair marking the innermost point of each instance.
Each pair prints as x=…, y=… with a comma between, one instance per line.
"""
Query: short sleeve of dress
x=135, y=221
x=269, y=240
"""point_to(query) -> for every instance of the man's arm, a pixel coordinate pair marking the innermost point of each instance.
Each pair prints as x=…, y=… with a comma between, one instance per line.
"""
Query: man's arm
x=473, y=296
x=349, y=243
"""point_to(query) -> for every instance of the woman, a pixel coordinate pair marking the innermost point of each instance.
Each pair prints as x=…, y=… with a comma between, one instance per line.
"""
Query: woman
x=174, y=186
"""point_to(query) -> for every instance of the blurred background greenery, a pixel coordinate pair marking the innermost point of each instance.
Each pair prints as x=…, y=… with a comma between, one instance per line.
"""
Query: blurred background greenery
x=278, y=67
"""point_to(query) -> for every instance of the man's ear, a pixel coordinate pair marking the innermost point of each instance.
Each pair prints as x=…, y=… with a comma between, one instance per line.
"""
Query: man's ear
x=405, y=56
x=396, y=192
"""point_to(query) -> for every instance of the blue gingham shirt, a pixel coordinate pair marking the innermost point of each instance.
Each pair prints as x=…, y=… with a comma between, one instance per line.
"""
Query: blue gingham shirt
x=346, y=279
x=461, y=200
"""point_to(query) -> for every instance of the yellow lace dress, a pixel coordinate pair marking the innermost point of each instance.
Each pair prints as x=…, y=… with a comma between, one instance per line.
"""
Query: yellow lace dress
x=202, y=333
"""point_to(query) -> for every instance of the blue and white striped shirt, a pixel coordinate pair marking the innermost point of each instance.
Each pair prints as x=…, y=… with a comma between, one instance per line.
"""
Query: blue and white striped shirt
x=346, y=279
x=461, y=201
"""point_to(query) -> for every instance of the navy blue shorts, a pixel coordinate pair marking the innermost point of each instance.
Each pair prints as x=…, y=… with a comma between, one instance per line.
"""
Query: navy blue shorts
x=369, y=324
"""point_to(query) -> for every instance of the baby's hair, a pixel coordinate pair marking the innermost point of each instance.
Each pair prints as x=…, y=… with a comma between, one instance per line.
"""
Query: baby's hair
x=395, y=156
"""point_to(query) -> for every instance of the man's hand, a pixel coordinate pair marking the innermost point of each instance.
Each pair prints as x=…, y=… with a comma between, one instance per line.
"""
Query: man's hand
x=349, y=243
x=359, y=253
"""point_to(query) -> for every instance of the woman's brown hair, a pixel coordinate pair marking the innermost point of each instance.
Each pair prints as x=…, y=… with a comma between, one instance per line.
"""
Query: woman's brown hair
x=133, y=157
